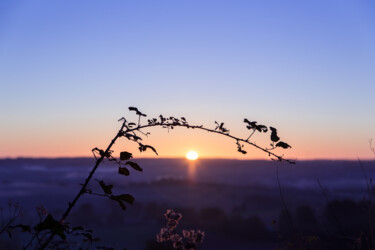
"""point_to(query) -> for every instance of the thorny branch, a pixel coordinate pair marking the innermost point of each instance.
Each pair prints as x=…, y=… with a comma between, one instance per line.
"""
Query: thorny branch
x=128, y=130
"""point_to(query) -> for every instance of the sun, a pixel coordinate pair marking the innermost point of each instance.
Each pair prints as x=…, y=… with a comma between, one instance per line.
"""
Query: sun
x=192, y=155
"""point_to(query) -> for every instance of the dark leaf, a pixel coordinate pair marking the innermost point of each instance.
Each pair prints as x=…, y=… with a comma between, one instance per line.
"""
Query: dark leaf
x=102, y=152
x=283, y=145
x=24, y=228
x=122, y=205
x=261, y=128
x=106, y=188
x=123, y=171
x=217, y=125
x=162, y=119
x=79, y=228
x=51, y=224
x=134, y=166
x=239, y=148
x=221, y=125
x=152, y=148
x=145, y=147
x=123, y=198
x=141, y=114
x=242, y=151
x=131, y=124
x=137, y=111
x=224, y=130
x=274, y=136
x=252, y=125
x=125, y=156
x=126, y=197
x=133, y=137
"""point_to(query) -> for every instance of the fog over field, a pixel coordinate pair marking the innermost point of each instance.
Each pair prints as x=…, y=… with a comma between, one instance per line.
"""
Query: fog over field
x=210, y=194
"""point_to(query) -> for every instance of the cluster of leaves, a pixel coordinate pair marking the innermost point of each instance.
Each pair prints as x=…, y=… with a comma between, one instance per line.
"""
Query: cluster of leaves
x=253, y=126
x=171, y=122
x=7, y=220
x=120, y=199
x=190, y=239
x=49, y=225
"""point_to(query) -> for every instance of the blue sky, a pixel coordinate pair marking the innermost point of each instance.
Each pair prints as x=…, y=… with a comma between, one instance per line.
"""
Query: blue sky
x=70, y=69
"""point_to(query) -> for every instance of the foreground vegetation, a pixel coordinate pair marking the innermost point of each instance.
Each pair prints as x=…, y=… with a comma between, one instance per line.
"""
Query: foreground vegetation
x=48, y=229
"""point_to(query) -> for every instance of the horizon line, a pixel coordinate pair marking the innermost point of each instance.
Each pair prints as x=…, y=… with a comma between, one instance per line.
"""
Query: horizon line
x=183, y=158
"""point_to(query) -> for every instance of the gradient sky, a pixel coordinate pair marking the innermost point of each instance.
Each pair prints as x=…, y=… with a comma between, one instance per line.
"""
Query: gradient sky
x=70, y=69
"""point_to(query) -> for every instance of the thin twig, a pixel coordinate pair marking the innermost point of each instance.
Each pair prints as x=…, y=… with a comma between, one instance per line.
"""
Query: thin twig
x=283, y=199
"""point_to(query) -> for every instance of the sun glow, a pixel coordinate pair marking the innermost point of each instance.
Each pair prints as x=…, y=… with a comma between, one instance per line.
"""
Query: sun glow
x=192, y=155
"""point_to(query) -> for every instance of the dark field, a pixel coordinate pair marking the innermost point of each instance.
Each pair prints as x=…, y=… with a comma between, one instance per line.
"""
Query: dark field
x=237, y=203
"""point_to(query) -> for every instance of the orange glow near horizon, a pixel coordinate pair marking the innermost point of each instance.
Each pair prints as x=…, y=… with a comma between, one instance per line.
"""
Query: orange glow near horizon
x=175, y=144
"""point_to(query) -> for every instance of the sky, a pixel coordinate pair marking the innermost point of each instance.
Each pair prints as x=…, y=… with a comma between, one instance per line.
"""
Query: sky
x=70, y=69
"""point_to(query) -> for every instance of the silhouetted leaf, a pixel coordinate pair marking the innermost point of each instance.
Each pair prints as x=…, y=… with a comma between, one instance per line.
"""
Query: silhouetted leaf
x=145, y=147
x=125, y=156
x=123, y=198
x=123, y=171
x=252, y=125
x=126, y=197
x=239, y=148
x=261, y=128
x=50, y=223
x=283, y=145
x=162, y=119
x=274, y=136
x=102, y=152
x=122, y=205
x=242, y=151
x=220, y=127
x=137, y=111
x=133, y=137
x=131, y=124
x=24, y=228
x=79, y=228
x=106, y=188
x=152, y=148
x=134, y=166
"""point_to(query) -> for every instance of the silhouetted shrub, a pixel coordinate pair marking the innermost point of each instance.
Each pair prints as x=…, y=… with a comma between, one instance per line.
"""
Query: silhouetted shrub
x=212, y=218
x=246, y=229
x=346, y=218
x=285, y=225
x=305, y=221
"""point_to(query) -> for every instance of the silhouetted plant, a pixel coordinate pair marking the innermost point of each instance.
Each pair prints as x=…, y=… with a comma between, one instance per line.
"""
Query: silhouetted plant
x=8, y=218
x=189, y=240
x=44, y=232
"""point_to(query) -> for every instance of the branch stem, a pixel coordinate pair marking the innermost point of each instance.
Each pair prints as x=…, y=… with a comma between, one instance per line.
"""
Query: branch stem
x=125, y=129
x=83, y=188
